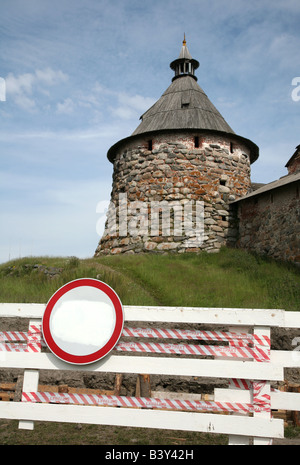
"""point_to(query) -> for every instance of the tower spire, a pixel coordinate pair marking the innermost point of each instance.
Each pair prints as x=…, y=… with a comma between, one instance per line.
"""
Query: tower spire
x=185, y=65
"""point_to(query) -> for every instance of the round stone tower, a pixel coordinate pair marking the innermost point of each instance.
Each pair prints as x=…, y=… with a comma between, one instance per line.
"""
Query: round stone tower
x=175, y=176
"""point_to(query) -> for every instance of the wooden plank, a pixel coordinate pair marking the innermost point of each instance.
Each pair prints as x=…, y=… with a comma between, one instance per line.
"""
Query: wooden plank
x=6, y=396
x=27, y=310
x=279, y=400
x=262, y=331
x=7, y=386
x=232, y=395
x=292, y=320
x=186, y=421
x=73, y=390
x=285, y=401
x=286, y=358
x=31, y=379
x=179, y=395
x=143, y=387
x=19, y=388
x=118, y=384
x=205, y=315
x=151, y=365
x=30, y=384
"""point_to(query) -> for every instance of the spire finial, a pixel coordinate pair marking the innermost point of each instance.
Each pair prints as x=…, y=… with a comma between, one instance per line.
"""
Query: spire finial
x=184, y=41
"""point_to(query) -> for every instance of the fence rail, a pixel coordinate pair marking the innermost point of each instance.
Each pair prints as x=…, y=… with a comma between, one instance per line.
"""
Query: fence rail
x=240, y=354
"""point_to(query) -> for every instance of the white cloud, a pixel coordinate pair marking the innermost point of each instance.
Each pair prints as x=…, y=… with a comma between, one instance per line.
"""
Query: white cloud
x=131, y=106
x=137, y=102
x=62, y=220
x=19, y=84
x=22, y=88
x=50, y=77
x=66, y=107
x=25, y=102
x=101, y=100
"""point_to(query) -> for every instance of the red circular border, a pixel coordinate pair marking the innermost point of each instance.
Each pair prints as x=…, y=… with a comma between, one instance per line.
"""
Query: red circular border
x=93, y=357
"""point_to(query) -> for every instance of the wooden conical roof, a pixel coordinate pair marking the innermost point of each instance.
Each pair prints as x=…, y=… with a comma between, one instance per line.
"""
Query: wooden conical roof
x=183, y=106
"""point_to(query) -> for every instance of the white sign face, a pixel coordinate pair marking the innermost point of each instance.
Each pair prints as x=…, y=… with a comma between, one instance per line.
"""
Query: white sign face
x=83, y=321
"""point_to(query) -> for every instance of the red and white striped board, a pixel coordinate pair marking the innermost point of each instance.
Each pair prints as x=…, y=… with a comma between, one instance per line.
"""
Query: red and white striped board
x=239, y=343
x=187, y=349
x=144, y=402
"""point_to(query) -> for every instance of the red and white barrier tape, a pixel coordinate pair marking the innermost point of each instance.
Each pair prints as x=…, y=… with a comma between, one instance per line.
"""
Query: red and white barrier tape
x=187, y=349
x=13, y=336
x=139, y=402
x=14, y=347
x=220, y=336
x=260, y=399
x=238, y=342
x=32, y=340
x=240, y=383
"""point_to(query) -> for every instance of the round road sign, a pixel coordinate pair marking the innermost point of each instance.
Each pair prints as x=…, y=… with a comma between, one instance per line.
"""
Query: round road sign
x=83, y=321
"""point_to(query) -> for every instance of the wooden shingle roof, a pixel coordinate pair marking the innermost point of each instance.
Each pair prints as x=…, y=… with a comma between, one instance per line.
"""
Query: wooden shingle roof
x=184, y=105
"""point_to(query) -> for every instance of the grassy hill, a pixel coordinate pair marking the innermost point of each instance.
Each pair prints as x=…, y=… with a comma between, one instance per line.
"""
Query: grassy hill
x=231, y=278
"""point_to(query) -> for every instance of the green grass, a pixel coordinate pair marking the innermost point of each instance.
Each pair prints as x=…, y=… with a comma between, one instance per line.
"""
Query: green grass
x=231, y=278
x=52, y=433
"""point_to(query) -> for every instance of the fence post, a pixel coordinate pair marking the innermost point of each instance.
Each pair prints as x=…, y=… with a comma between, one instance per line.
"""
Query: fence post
x=31, y=377
x=233, y=439
x=265, y=389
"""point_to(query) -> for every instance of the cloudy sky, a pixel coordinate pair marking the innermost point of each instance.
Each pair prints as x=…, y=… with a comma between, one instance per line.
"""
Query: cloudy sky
x=75, y=76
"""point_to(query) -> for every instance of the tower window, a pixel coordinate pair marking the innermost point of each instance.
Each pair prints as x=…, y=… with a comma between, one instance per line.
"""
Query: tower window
x=184, y=105
x=150, y=144
x=196, y=142
x=222, y=183
x=231, y=147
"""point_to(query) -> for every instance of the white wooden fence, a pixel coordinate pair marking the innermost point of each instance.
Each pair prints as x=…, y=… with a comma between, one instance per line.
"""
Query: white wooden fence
x=241, y=356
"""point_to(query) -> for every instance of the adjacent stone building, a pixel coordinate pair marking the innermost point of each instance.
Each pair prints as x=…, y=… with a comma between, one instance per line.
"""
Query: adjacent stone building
x=269, y=217
x=182, y=163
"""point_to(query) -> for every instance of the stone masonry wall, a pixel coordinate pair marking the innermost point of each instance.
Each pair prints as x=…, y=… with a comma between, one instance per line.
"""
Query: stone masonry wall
x=269, y=223
x=294, y=166
x=171, y=169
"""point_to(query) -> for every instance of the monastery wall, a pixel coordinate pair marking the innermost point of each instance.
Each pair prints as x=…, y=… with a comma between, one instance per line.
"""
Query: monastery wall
x=269, y=223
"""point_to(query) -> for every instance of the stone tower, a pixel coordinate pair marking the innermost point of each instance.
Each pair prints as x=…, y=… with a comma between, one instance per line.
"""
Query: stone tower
x=175, y=176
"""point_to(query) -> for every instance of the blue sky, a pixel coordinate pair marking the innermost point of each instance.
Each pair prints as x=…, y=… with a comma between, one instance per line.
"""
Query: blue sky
x=79, y=74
